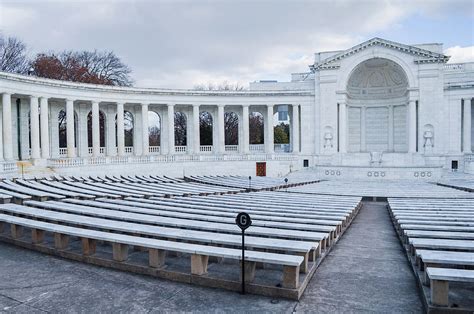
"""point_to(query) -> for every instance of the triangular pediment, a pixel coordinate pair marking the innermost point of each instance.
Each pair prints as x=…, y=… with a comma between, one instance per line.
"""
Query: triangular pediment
x=422, y=55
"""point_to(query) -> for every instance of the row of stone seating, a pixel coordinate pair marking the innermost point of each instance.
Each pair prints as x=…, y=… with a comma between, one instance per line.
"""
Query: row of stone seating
x=254, y=183
x=21, y=190
x=439, y=237
x=465, y=184
x=294, y=237
x=409, y=189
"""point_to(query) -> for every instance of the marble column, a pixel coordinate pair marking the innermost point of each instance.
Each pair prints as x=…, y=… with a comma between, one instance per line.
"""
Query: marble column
x=120, y=130
x=295, y=129
x=245, y=130
x=44, y=125
x=342, y=127
x=71, y=145
x=390, y=129
x=220, y=130
x=412, y=126
x=171, y=129
x=145, y=132
x=110, y=131
x=196, y=130
x=7, y=126
x=35, y=128
x=1, y=136
x=95, y=129
x=363, y=133
x=269, y=132
x=467, y=126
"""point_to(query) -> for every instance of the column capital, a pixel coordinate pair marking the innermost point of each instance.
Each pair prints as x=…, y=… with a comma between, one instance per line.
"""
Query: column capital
x=220, y=105
x=245, y=105
x=95, y=102
x=196, y=105
x=120, y=103
x=270, y=105
x=33, y=96
x=145, y=104
x=170, y=105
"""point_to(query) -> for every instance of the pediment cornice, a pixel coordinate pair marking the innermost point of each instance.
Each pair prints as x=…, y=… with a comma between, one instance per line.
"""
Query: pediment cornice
x=421, y=55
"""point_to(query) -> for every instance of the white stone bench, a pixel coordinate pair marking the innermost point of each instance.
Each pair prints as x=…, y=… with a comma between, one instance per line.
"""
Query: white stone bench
x=18, y=197
x=40, y=195
x=158, y=248
x=213, y=215
x=429, y=258
x=439, y=227
x=92, y=187
x=439, y=279
x=117, y=188
x=169, y=204
x=41, y=187
x=440, y=244
x=254, y=210
x=437, y=235
x=309, y=250
x=183, y=223
x=67, y=187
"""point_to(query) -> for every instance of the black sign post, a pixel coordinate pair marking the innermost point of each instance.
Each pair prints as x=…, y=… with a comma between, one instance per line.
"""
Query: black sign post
x=243, y=221
x=250, y=182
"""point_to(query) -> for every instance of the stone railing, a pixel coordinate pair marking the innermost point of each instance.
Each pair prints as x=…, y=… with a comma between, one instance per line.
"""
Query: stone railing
x=205, y=148
x=129, y=150
x=154, y=149
x=8, y=166
x=454, y=66
x=116, y=160
x=101, y=151
x=62, y=152
x=257, y=147
x=232, y=148
x=180, y=149
x=282, y=148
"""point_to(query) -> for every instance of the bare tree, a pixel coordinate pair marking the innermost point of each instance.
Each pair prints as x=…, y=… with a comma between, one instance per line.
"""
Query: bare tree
x=13, y=56
x=180, y=129
x=231, y=128
x=83, y=66
x=222, y=86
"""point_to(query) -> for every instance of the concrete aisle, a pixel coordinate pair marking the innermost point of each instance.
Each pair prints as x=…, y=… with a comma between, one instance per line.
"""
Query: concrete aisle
x=367, y=271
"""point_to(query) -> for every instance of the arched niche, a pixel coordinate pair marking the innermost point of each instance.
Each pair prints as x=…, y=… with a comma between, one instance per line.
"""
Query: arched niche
x=102, y=128
x=231, y=128
x=377, y=106
x=154, y=129
x=205, y=128
x=62, y=129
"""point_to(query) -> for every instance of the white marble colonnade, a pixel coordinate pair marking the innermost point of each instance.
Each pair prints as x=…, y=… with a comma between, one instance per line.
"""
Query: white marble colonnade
x=42, y=141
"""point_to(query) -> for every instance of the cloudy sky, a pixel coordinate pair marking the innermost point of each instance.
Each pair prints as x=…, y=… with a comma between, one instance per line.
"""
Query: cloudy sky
x=179, y=44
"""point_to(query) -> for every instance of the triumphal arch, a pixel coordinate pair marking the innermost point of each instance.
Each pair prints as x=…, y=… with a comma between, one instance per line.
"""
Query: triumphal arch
x=380, y=109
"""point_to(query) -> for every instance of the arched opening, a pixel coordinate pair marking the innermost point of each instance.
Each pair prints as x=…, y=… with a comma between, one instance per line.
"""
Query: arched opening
x=256, y=131
x=377, y=106
x=62, y=129
x=231, y=129
x=281, y=129
x=101, y=129
x=180, y=129
x=205, y=131
x=128, y=126
x=154, y=132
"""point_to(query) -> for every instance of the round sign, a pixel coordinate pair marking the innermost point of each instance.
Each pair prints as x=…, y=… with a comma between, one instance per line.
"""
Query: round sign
x=286, y=180
x=243, y=221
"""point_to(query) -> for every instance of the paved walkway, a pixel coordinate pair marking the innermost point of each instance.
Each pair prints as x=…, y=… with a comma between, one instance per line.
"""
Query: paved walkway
x=365, y=272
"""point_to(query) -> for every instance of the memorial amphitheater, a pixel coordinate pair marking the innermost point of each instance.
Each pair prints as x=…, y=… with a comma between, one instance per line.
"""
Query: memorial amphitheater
x=381, y=130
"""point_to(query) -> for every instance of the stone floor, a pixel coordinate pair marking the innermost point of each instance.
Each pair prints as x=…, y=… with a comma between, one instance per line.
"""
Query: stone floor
x=365, y=272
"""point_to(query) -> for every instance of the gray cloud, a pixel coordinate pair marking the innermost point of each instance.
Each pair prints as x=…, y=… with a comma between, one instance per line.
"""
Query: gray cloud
x=182, y=43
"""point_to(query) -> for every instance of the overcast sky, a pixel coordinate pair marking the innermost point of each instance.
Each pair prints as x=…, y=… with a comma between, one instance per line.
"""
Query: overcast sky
x=178, y=44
